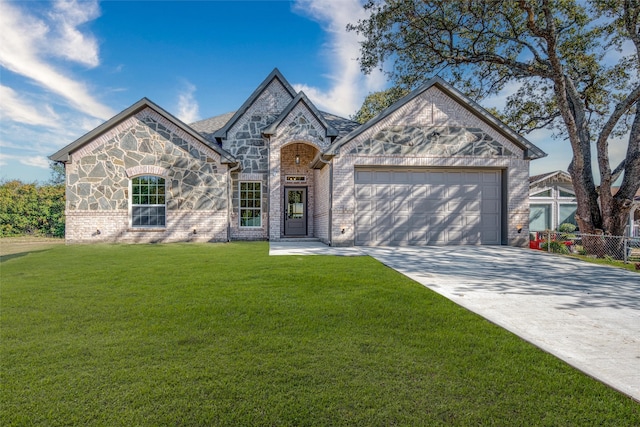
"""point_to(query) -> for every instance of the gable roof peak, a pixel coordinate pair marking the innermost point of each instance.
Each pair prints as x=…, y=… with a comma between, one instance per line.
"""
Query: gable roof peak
x=301, y=97
x=63, y=155
x=273, y=75
x=531, y=152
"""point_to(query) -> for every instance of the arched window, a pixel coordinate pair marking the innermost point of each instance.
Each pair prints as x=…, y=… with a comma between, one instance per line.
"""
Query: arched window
x=148, y=208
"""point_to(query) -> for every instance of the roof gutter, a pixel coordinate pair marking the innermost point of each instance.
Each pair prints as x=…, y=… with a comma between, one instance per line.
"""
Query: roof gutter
x=320, y=160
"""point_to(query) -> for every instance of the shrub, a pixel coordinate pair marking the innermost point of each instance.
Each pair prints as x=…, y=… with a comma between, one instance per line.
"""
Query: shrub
x=555, y=247
x=567, y=227
x=29, y=208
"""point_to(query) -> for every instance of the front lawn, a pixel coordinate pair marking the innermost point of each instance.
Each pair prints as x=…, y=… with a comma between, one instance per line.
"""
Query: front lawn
x=223, y=334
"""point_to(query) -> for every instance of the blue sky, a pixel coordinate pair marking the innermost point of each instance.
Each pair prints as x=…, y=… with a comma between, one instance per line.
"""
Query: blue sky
x=68, y=66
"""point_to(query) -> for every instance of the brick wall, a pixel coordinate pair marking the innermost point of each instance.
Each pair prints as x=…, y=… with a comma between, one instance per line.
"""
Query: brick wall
x=322, y=207
x=433, y=107
x=93, y=227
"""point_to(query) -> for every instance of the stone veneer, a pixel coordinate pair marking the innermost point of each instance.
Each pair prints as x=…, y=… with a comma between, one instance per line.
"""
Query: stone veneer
x=99, y=175
x=246, y=143
x=431, y=141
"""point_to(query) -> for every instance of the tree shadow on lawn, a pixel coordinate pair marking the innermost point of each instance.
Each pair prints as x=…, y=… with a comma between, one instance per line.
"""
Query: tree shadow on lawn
x=510, y=270
x=7, y=257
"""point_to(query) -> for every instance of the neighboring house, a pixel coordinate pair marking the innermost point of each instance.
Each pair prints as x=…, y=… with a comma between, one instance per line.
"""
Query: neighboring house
x=435, y=168
x=552, y=202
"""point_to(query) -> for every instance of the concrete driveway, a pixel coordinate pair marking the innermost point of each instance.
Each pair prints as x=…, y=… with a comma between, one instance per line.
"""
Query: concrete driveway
x=585, y=314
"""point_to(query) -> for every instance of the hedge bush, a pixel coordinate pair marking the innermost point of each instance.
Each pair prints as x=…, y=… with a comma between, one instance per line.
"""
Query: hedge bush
x=31, y=209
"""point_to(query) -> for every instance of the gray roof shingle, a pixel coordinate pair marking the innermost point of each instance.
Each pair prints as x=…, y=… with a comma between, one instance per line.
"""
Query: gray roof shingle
x=208, y=127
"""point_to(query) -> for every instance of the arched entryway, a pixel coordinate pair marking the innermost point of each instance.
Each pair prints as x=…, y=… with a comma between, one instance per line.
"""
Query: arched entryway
x=298, y=190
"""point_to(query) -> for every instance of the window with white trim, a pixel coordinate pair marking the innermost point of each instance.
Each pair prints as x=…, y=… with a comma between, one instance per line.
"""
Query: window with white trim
x=250, y=204
x=148, y=202
x=567, y=213
x=539, y=217
x=544, y=193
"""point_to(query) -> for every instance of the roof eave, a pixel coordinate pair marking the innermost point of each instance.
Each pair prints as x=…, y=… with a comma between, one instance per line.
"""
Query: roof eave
x=64, y=154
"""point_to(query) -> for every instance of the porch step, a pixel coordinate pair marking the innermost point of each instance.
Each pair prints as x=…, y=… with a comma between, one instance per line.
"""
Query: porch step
x=299, y=239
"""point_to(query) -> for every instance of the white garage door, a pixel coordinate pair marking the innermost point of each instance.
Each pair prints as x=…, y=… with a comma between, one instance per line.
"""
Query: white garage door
x=427, y=207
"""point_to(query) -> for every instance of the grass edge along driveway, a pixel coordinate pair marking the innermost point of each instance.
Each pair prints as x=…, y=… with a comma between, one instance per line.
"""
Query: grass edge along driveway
x=223, y=334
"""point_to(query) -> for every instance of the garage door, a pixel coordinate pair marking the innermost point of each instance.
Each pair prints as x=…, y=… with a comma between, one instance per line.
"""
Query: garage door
x=427, y=207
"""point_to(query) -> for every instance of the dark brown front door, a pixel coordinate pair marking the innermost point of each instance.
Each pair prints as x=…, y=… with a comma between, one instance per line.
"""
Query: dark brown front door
x=295, y=211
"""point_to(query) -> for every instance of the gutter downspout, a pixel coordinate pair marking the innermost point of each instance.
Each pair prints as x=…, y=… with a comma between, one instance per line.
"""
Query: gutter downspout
x=229, y=199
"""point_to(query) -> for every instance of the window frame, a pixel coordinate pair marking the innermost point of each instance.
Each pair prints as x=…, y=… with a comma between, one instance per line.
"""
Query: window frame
x=133, y=206
x=250, y=208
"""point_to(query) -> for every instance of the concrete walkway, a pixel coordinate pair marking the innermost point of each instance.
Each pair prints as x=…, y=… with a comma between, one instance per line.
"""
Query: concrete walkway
x=585, y=314
x=311, y=248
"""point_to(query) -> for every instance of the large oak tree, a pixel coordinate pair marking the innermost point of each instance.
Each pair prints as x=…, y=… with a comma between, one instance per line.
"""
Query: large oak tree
x=576, y=64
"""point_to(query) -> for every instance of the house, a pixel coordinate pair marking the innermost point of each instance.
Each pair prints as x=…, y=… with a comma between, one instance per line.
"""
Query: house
x=552, y=201
x=435, y=168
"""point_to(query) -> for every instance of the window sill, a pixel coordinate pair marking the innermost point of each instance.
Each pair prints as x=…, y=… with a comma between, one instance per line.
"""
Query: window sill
x=152, y=230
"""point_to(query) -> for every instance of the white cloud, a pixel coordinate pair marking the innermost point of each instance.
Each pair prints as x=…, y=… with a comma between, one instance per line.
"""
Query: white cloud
x=17, y=109
x=188, y=109
x=70, y=43
x=26, y=42
x=36, y=161
x=349, y=86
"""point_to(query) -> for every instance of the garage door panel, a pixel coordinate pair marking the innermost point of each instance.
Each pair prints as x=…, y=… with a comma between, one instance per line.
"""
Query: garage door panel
x=382, y=177
x=492, y=193
x=490, y=207
x=401, y=191
x=404, y=207
x=400, y=221
x=436, y=192
x=490, y=221
x=364, y=176
x=417, y=237
x=382, y=191
x=472, y=221
x=490, y=237
x=365, y=221
x=418, y=191
x=491, y=178
x=419, y=177
x=364, y=192
x=401, y=177
x=436, y=177
x=384, y=206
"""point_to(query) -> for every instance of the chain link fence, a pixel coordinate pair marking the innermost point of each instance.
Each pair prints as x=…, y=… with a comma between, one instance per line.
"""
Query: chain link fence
x=620, y=248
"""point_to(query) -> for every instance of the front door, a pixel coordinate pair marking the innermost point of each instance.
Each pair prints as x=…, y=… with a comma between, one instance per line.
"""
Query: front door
x=295, y=211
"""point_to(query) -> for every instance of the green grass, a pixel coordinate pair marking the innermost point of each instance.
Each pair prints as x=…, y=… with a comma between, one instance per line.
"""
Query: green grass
x=189, y=334
x=631, y=265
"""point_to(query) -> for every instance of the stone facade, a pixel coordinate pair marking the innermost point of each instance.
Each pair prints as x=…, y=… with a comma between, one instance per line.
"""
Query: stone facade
x=203, y=171
x=98, y=184
x=247, y=144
